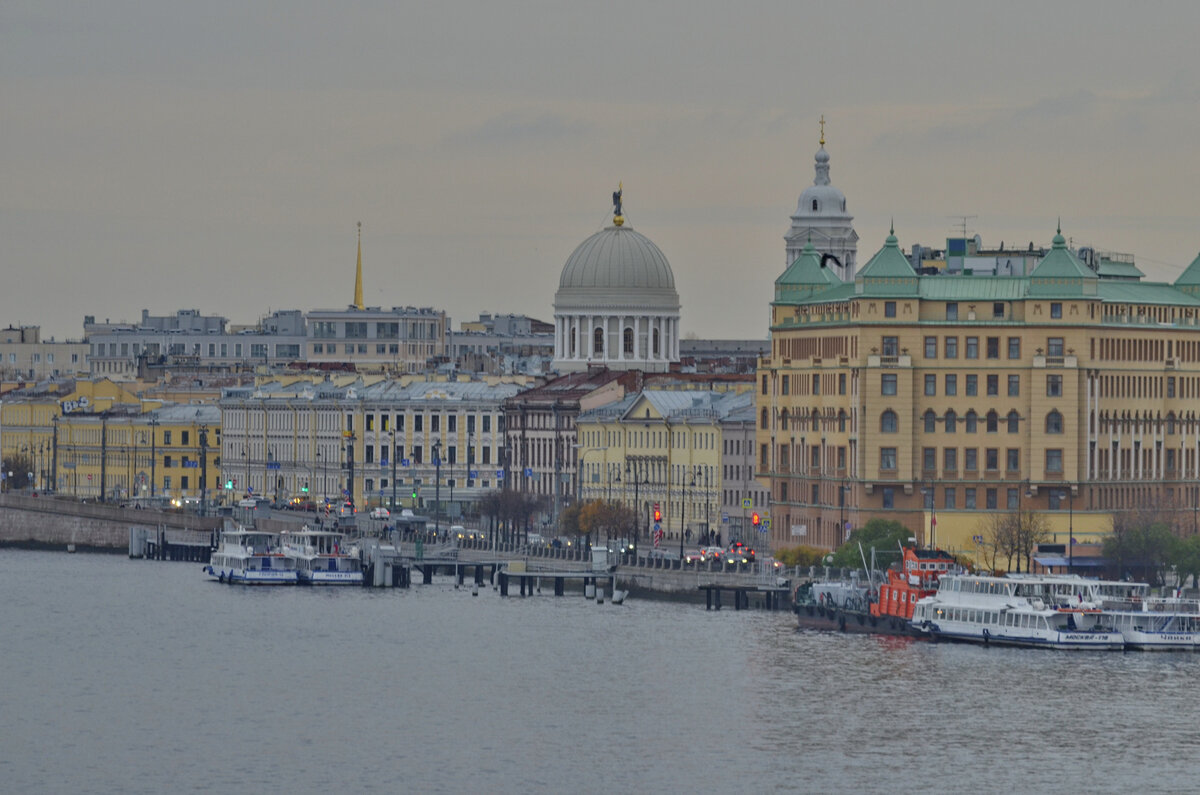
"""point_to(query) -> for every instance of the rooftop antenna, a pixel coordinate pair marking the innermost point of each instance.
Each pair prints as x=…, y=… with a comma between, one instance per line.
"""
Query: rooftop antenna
x=961, y=225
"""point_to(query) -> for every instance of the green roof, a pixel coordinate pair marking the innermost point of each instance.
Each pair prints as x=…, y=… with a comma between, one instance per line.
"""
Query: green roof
x=1118, y=292
x=1107, y=269
x=804, y=277
x=1191, y=275
x=1060, y=274
x=888, y=263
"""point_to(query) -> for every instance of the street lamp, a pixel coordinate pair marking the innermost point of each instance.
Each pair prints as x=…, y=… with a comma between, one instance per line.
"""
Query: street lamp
x=579, y=467
x=392, y=454
x=437, y=483
x=153, y=453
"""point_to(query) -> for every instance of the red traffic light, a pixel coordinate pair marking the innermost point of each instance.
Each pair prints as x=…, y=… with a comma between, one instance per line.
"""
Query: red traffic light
x=657, y=515
x=755, y=519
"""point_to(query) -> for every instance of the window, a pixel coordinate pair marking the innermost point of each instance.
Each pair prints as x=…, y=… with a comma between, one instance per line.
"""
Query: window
x=951, y=384
x=1014, y=386
x=816, y=494
x=166, y=437
x=1014, y=498
x=931, y=347
x=418, y=423
x=952, y=311
x=183, y=437
x=764, y=385
x=971, y=459
x=991, y=459
x=1055, y=309
x=889, y=308
x=930, y=384
x=930, y=421
x=951, y=421
x=1054, y=422
x=1054, y=386
x=1012, y=460
x=1054, y=346
x=627, y=341
x=971, y=421
x=888, y=422
x=1014, y=347
x=951, y=347
x=991, y=499
x=891, y=346
x=1014, y=422
x=993, y=385
x=998, y=311
x=887, y=458
x=765, y=417
x=598, y=341
x=950, y=459
x=889, y=497
x=950, y=500
x=816, y=384
x=841, y=383
x=972, y=347
x=764, y=456
x=1054, y=461
x=887, y=384
x=1170, y=386
x=785, y=385
x=993, y=347
x=969, y=499
x=972, y=385
x=993, y=422
x=435, y=423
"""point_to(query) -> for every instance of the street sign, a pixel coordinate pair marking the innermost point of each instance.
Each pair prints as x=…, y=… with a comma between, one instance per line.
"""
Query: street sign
x=383, y=464
x=403, y=462
x=528, y=472
x=500, y=474
x=724, y=516
x=474, y=473
x=746, y=503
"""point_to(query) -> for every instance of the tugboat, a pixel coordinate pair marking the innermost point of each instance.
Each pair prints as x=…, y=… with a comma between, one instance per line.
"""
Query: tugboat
x=885, y=609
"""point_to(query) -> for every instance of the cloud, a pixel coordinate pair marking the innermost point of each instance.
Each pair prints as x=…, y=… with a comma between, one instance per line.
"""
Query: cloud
x=520, y=129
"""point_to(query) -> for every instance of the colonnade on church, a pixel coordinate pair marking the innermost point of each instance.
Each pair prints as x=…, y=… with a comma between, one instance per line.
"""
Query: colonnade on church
x=654, y=337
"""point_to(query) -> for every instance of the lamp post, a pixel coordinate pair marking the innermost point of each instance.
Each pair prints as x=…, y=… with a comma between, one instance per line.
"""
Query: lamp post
x=153, y=453
x=437, y=487
x=203, y=467
x=690, y=486
x=392, y=454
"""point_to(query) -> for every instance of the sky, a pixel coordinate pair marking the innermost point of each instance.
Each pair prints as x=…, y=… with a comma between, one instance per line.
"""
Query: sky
x=218, y=155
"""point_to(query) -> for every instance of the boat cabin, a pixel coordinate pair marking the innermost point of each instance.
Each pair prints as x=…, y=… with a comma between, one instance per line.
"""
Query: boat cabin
x=917, y=576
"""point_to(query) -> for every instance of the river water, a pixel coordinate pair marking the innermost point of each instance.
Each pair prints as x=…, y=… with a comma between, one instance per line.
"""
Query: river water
x=136, y=676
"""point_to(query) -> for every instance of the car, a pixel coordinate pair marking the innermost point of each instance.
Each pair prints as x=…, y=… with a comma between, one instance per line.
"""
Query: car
x=248, y=502
x=380, y=513
x=711, y=553
x=694, y=557
x=347, y=510
x=738, y=553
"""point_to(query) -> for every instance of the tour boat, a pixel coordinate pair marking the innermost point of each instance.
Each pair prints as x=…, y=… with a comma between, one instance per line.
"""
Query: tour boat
x=1024, y=610
x=886, y=609
x=320, y=558
x=251, y=557
x=1147, y=623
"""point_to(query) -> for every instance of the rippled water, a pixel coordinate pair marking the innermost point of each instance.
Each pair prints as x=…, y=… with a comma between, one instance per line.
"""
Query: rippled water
x=135, y=676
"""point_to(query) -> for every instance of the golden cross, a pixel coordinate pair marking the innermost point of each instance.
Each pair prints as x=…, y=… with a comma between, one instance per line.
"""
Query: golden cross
x=822, y=129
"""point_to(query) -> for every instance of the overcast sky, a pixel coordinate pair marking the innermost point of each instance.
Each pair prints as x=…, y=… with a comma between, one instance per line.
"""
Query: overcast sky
x=216, y=155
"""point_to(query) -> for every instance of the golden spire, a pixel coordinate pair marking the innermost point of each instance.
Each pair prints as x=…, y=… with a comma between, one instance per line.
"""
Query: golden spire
x=822, y=129
x=618, y=218
x=358, y=298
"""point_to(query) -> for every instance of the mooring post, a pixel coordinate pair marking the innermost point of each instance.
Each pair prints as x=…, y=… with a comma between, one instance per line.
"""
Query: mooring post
x=558, y=586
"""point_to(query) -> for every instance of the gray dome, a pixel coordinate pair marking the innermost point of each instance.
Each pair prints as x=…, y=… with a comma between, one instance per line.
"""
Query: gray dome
x=617, y=258
x=830, y=201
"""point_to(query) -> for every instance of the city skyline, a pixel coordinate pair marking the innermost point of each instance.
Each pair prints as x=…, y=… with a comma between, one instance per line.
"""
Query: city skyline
x=219, y=158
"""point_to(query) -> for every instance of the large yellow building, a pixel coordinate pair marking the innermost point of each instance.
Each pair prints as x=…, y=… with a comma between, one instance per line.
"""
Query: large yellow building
x=1070, y=392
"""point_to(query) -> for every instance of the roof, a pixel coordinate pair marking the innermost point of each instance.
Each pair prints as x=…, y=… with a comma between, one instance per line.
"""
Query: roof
x=888, y=263
x=1061, y=273
x=617, y=257
x=1191, y=275
x=805, y=276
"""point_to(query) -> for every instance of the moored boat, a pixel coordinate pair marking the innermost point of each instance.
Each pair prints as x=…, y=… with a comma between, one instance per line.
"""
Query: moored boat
x=883, y=609
x=251, y=557
x=1012, y=611
x=320, y=558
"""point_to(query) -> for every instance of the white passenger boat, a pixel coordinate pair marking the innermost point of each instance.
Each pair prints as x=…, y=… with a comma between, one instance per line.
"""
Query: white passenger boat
x=321, y=558
x=1011, y=611
x=251, y=557
x=1148, y=623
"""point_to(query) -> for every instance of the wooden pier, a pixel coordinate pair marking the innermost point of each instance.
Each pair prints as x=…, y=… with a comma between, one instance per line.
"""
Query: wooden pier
x=773, y=597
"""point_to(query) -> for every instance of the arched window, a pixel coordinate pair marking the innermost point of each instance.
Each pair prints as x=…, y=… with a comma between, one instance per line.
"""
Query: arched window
x=628, y=342
x=1014, y=422
x=971, y=421
x=814, y=205
x=930, y=421
x=598, y=341
x=888, y=422
x=572, y=336
x=816, y=420
x=765, y=419
x=1054, y=422
x=783, y=420
x=655, y=335
x=951, y=421
x=1171, y=424
x=841, y=421
x=993, y=422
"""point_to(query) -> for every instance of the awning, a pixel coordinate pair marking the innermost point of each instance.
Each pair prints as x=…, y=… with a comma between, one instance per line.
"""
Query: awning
x=1076, y=562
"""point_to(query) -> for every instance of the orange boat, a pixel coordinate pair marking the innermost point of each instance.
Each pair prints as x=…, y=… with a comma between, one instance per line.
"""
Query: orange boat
x=918, y=577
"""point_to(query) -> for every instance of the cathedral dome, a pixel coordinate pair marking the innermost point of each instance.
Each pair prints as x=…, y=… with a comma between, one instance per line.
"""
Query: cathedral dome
x=617, y=258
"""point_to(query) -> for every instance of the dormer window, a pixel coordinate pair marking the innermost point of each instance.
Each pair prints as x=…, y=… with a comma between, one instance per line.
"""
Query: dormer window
x=814, y=205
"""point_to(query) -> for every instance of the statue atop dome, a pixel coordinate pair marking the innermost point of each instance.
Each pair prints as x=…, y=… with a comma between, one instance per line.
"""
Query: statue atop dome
x=618, y=219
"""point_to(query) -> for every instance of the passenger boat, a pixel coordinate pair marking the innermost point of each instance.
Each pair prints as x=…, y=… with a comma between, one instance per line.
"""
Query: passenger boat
x=1026, y=610
x=1147, y=623
x=320, y=558
x=883, y=609
x=251, y=557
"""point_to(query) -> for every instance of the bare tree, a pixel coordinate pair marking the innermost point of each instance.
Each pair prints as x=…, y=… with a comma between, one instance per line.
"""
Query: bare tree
x=997, y=539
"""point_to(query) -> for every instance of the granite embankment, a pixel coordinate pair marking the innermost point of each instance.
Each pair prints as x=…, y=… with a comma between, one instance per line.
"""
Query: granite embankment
x=49, y=523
